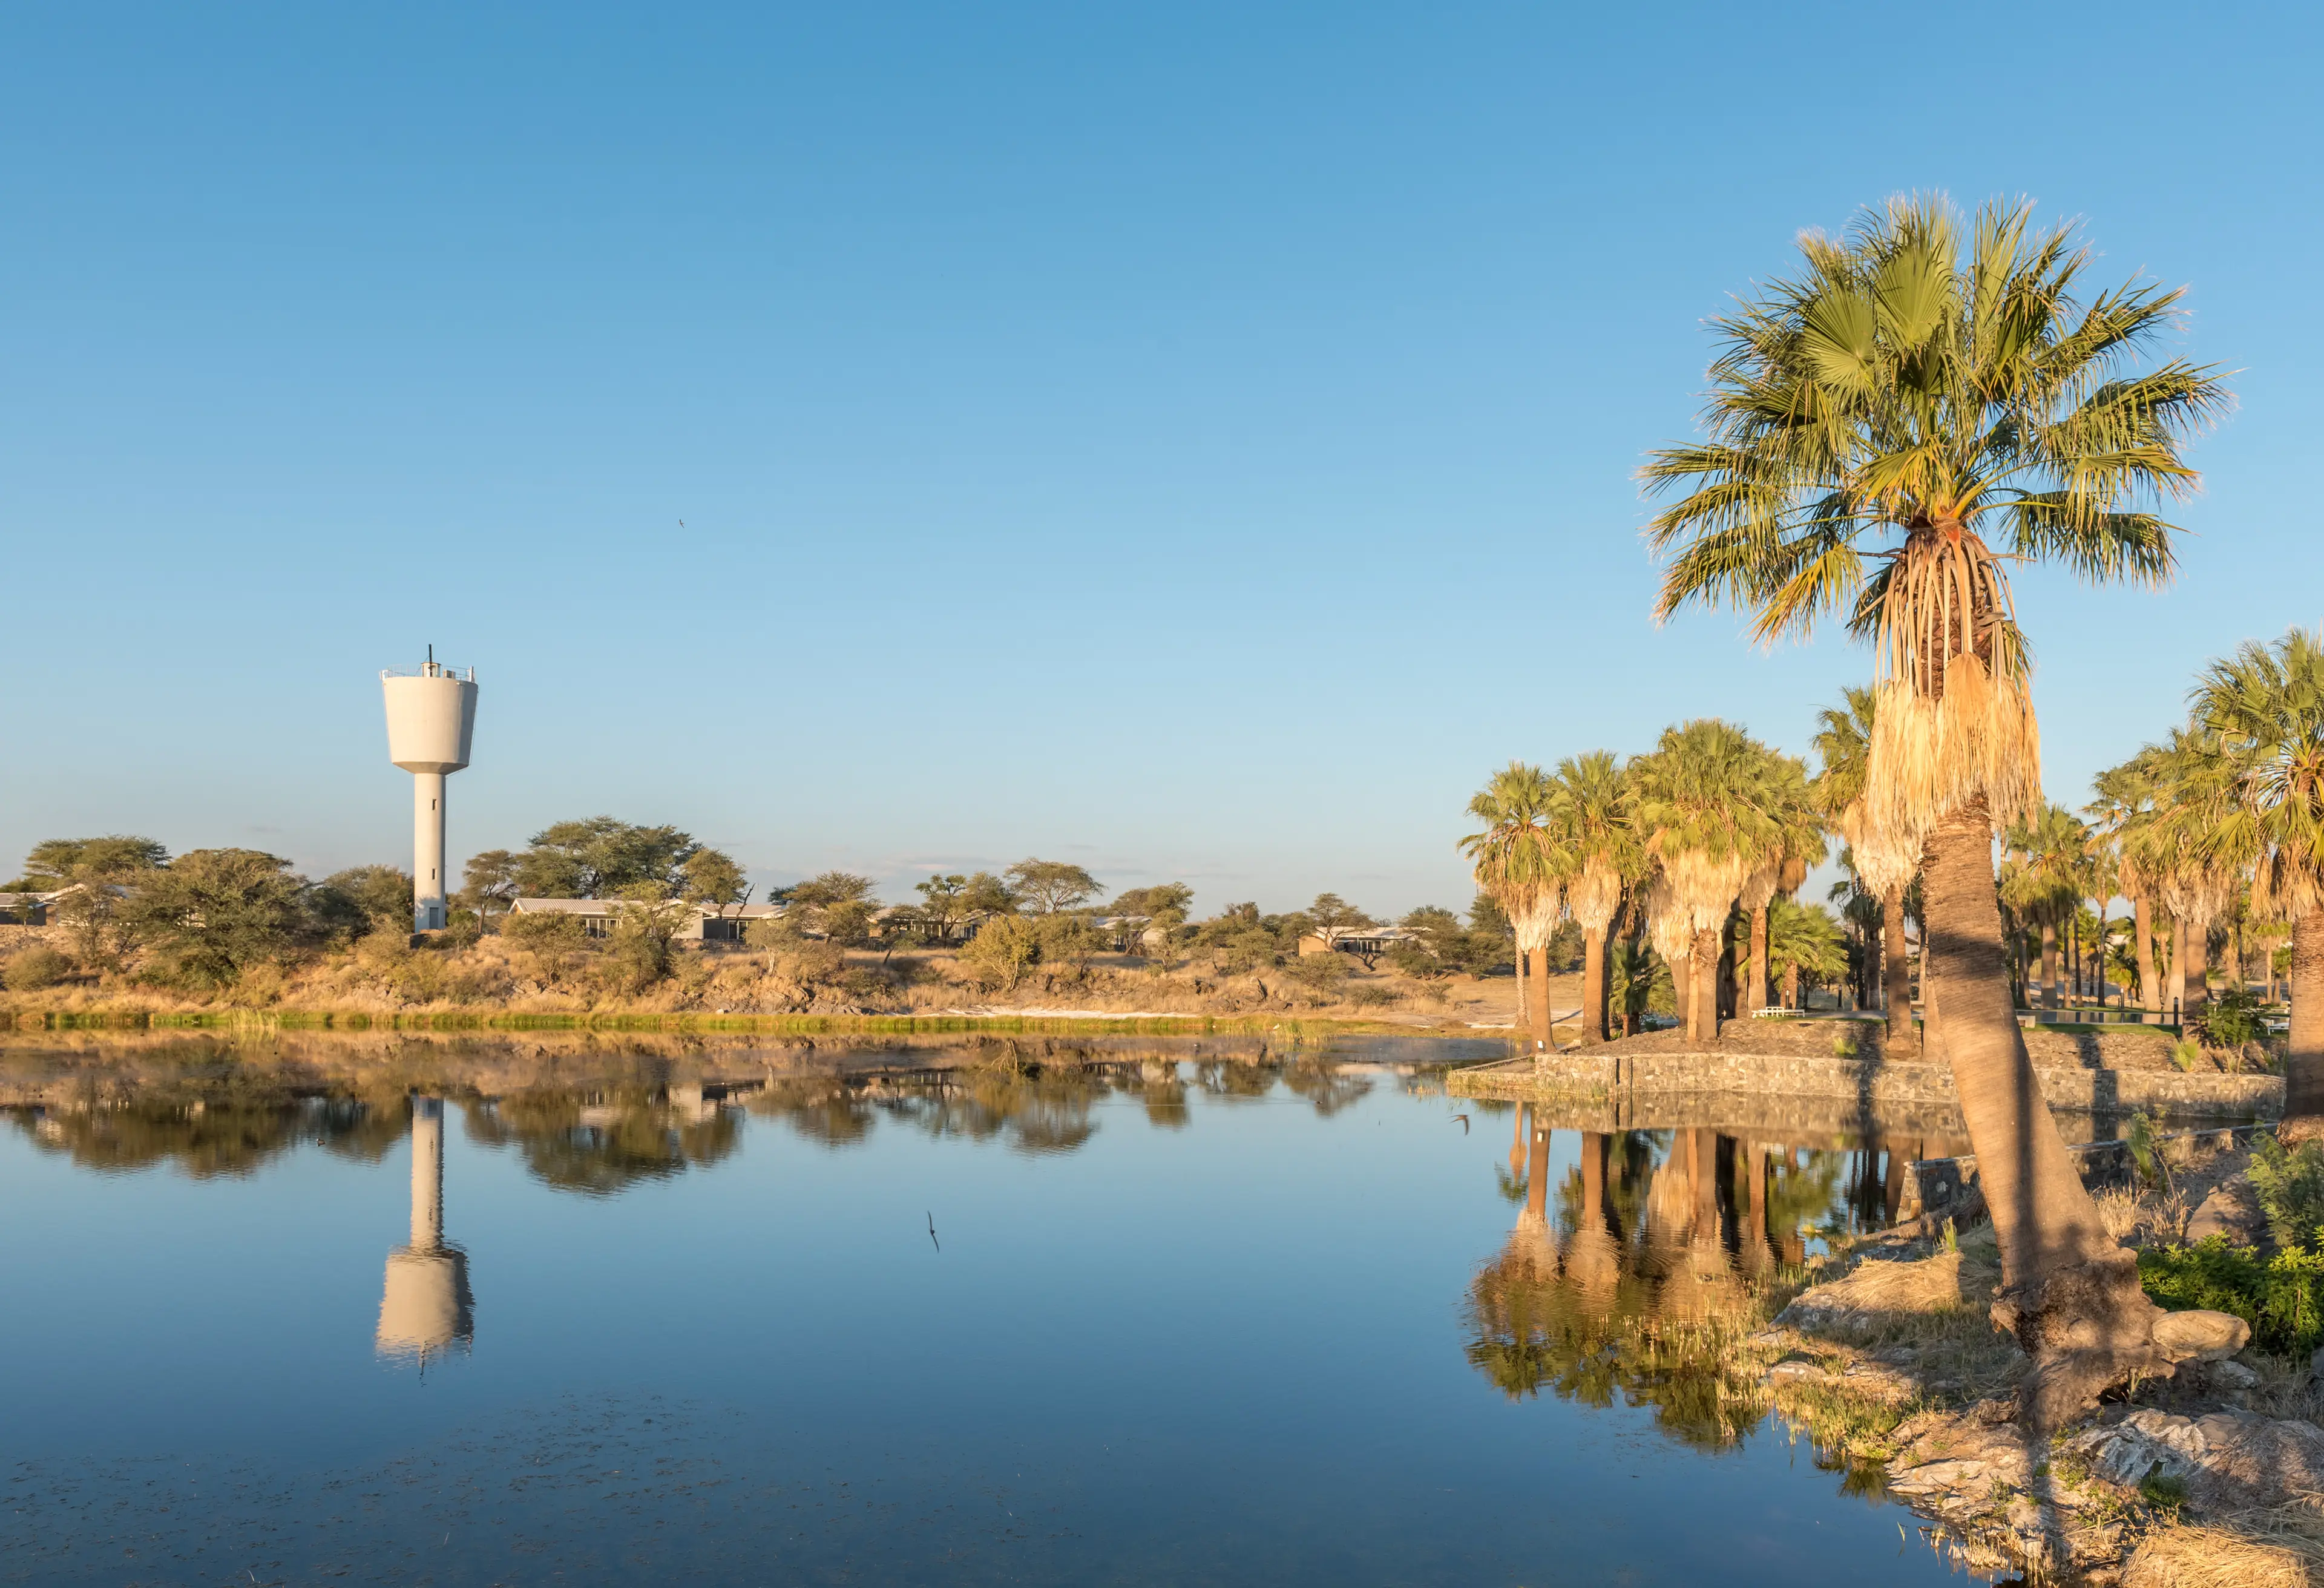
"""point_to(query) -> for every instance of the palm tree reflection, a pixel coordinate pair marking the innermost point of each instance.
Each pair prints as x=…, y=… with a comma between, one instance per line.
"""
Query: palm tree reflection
x=1639, y=1282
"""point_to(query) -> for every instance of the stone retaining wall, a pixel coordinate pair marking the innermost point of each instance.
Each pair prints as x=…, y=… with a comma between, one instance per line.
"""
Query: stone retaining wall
x=1871, y=1087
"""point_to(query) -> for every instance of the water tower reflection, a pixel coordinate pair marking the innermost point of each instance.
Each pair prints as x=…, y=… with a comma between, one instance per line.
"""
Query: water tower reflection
x=426, y=1310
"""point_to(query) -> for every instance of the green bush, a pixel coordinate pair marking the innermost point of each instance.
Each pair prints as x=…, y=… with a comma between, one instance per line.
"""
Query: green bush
x=2229, y=1019
x=2282, y=1297
x=36, y=968
x=2290, y=1186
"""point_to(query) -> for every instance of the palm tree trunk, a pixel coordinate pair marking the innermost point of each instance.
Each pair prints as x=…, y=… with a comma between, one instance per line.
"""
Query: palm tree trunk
x=2303, y=1063
x=2070, y=1294
x=1756, y=992
x=2198, y=958
x=1682, y=990
x=2178, y=968
x=1790, y=986
x=1524, y=1009
x=2048, y=964
x=2150, y=996
x=1703, y=983
x=1593, y=984
x=1537, y=1001
x=1896, y=971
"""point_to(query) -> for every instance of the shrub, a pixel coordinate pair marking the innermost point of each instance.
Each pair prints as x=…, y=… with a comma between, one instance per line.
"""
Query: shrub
x=551, y=939
x=2230, y=1018
x=36, y=968
x=1371, y=997
x=1000, y=954
x=2290, y=1186
x=2281, y=1298
x=1318, y=973
x=2186, y=1052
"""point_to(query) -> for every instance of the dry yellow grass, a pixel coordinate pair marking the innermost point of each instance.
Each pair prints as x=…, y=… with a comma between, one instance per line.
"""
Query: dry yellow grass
x=2281, y=1550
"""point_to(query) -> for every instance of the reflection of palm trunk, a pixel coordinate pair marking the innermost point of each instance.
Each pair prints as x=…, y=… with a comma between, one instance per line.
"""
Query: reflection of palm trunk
x=1593, y=1259
x=1531, y=1243
x=1892, y=1185
x=1518, y=1141
x=1754, y=1250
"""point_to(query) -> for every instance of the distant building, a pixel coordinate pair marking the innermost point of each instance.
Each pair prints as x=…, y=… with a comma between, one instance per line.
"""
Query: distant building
x=702, y=923
x=1366, y=943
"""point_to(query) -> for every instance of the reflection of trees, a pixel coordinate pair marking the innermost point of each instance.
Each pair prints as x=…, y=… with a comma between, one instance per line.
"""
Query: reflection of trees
x=599, y=1143
x=212, y=1131
x=1325, y=1085
x=1634, y=1285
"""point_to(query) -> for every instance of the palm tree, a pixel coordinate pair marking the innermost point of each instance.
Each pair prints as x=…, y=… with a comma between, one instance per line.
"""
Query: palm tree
x=1843, y=742
x=1599, y=855
x=1708, y=807
x=1872, y=420
x=2122, y=813
x=1804, y=942
x=2201, y=873
x=1516, y=863
x=2264, y=709
x=1800, y=848
x=2046, y=886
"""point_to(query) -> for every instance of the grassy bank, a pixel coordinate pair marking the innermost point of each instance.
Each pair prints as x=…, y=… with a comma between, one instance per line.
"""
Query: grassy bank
x=743, y=1024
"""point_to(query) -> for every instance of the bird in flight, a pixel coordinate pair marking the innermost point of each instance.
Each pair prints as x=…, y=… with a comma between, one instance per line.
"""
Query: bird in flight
x=1464, y=1122
x=932, y=1233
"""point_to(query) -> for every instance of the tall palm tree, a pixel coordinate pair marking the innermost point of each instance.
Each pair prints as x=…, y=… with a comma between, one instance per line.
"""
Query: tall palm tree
x=2263, y=708
x=2046, y=885
x=2201, y=873
x=1918, y=387
x=1804, y=941
x=1516, y=863
x=2122, y=814
x=1709, y=806
x=1800, y=848
x=1843, y=742
x=1599, y=854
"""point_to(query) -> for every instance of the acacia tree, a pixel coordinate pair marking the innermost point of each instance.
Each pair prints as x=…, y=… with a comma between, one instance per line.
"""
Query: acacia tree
x=1596, y=845
x=1051, y=885
x=1515, y=862
x=1919, y=386
x=2263, y=708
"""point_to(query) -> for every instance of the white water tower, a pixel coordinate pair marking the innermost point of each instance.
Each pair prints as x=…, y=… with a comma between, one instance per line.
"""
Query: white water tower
x=431, y=716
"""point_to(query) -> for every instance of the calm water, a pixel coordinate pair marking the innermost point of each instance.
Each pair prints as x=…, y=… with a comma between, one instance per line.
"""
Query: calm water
x=1182, y=1318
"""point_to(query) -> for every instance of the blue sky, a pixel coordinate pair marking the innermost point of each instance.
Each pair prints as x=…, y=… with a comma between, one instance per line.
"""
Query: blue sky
x=1193, y=440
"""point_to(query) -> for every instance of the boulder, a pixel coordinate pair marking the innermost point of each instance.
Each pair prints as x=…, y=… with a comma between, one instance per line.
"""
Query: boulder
x=2200, y=1336
x=2231, y=1211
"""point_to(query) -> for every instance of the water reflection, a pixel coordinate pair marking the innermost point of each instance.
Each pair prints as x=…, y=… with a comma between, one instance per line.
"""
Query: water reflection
x=1634, y=1283
x=426, y=1308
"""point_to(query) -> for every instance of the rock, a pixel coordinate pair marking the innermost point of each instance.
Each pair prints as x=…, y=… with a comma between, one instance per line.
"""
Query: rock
x=1795, y=1370
x=1938, y=1477
x=2200, y=1336
x=2234, y=1375
x=2230, y=1211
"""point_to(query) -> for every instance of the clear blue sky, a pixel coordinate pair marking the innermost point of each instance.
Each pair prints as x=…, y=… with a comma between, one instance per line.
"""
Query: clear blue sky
x=1193, y=440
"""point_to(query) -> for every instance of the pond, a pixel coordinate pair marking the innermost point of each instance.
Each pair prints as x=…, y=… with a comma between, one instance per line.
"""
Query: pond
x=1137, y=1311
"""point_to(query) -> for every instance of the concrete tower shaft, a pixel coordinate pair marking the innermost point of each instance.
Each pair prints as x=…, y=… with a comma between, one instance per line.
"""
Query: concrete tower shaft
x=431, y=719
